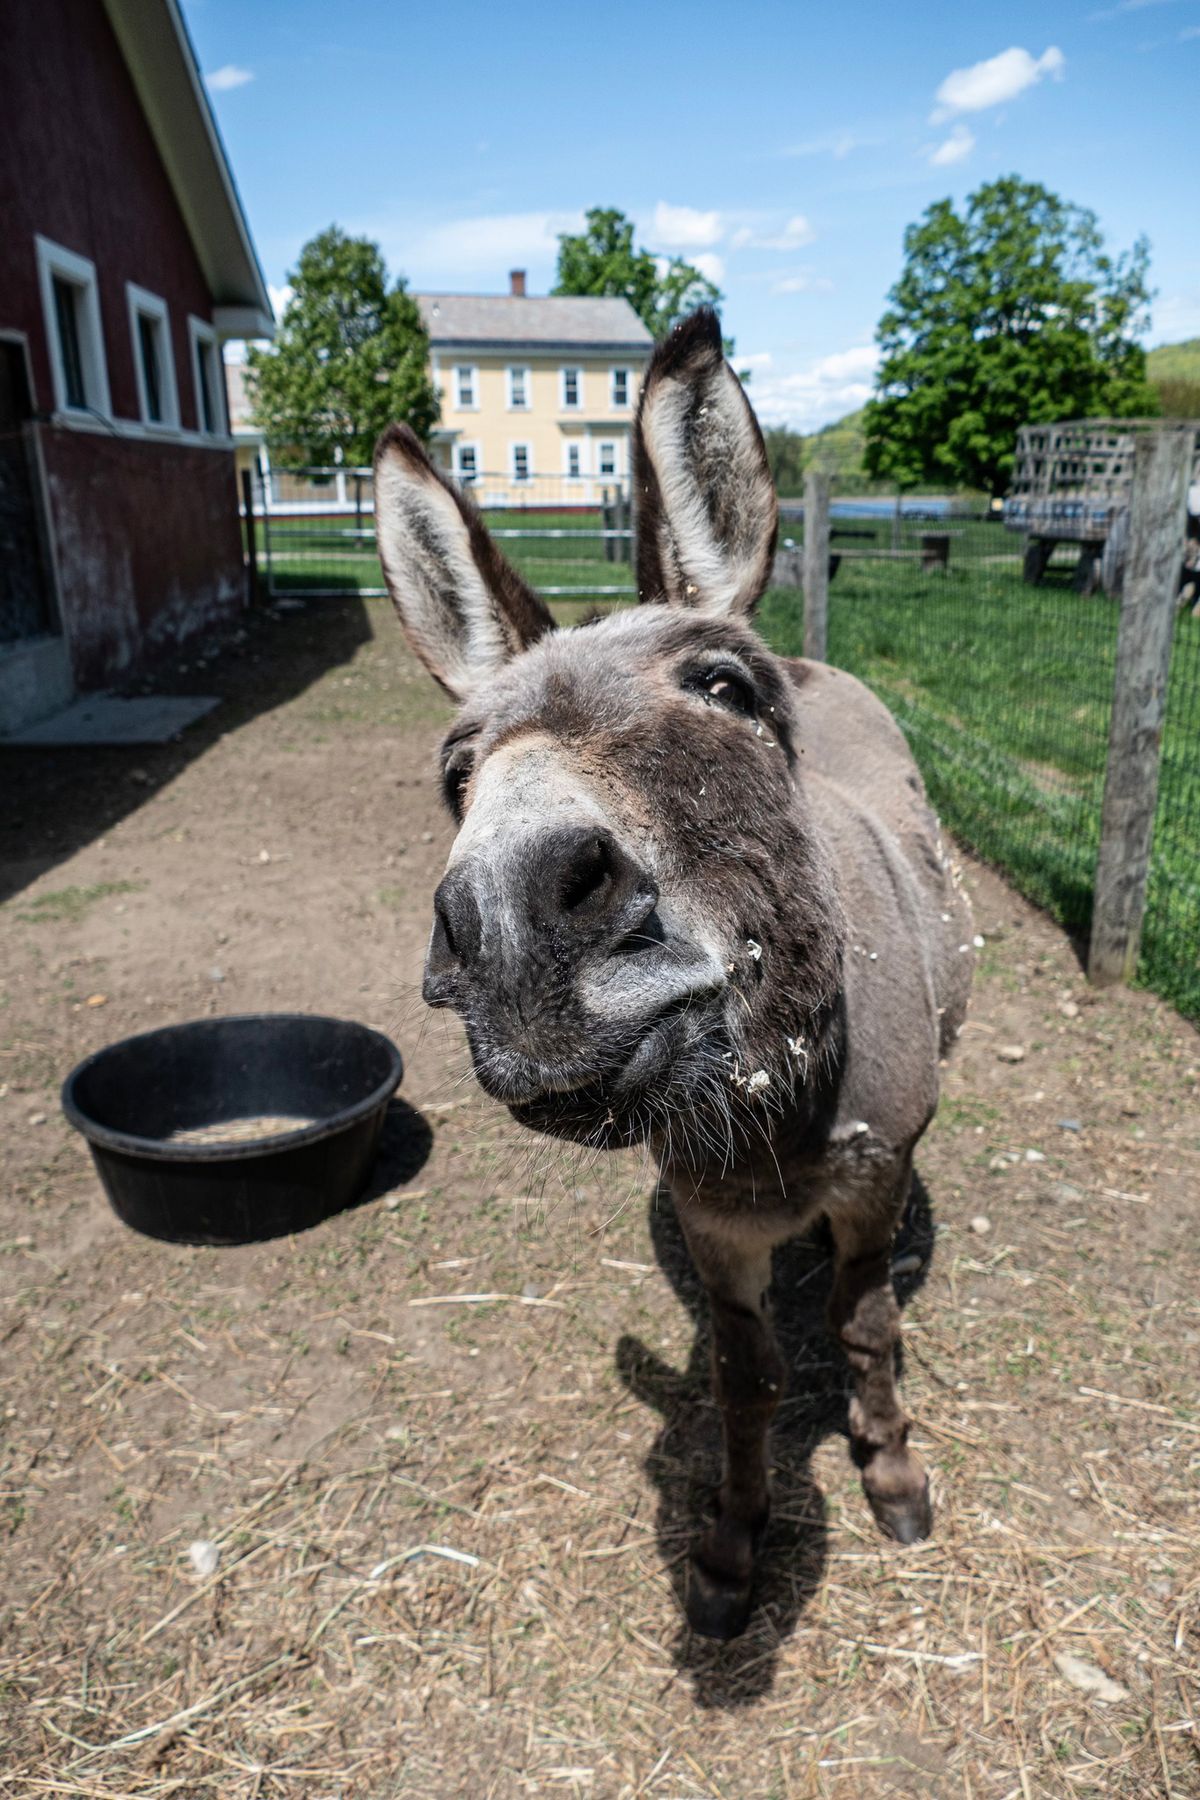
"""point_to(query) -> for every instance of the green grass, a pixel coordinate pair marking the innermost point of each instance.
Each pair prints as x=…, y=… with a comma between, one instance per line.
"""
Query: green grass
x=1004, y=692
x=67, y=906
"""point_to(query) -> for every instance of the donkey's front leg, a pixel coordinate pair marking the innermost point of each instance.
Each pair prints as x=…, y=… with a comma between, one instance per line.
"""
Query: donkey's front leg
x=865, y=1318
x=748, y=1379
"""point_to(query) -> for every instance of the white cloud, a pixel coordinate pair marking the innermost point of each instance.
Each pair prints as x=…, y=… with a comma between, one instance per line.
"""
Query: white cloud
x=993, y=82
x=280, y=297
x=710, y=266
x=802, y=283
x=230, y=76
x=817, y=393
x=757, y=359
x=795, y=234
x=684, y=228
x=954, y=149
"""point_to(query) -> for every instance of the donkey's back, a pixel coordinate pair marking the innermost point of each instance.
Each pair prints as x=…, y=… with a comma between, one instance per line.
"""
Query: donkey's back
x=909, y=948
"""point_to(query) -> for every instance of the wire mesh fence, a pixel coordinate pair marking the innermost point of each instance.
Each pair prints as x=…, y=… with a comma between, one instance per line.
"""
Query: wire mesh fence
x=315, y=531
x=1171, y=933
x=1004, y=690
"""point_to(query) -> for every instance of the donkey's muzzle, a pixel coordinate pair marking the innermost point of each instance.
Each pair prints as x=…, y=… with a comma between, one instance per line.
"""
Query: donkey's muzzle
x=569, y=894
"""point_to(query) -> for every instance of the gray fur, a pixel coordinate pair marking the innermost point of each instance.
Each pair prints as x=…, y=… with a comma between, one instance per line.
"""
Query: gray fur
x=699, y=901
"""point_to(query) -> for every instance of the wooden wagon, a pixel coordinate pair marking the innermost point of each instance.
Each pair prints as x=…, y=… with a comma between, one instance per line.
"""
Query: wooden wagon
x=1071, y=484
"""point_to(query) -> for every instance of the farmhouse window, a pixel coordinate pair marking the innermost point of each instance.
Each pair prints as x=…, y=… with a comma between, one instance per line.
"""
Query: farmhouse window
x=66, y=317
x=467, y=462
x=574, y=461
x=606, y=459
x=572, y=388
x=154, y=365
x=464, y=387
x=620, y=387
x=518, y=389
x=74, y=337
x=522, y=462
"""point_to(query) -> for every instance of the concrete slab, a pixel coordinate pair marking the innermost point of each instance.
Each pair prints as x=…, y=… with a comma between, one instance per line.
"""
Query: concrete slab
x=104, y=719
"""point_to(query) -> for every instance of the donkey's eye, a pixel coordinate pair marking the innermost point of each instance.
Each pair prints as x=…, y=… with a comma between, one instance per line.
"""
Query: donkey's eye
x=455, y=776
x=727, y=687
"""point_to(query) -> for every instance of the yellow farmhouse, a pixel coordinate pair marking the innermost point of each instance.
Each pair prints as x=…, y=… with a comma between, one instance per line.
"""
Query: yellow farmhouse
x=538, y=392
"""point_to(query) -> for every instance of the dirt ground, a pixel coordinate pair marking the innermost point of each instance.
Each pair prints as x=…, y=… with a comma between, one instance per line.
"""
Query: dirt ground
x=451, y=1529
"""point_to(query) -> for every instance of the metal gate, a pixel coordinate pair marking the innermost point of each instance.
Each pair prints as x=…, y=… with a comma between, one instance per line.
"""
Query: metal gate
x=314, y=531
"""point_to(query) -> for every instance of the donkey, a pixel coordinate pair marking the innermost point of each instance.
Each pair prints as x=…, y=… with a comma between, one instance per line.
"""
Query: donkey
x=698, y=902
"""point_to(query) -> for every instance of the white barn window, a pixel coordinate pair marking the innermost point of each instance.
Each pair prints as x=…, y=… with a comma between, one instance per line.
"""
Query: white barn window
x=572, y=389
x=207, y=378
x=465, y=387
x=74, y=336
x=153, y=359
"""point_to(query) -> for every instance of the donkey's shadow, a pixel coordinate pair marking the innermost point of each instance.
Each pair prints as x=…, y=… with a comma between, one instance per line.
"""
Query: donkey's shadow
x=684, y=1463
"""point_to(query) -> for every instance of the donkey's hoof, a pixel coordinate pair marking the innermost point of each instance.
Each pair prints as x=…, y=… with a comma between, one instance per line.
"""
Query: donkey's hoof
x=716, y=1608
x=906, y=1517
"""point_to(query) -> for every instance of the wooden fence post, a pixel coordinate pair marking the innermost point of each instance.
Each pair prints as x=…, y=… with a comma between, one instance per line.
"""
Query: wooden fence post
x=816, y=564
x=1161, y=461
x=251, y=539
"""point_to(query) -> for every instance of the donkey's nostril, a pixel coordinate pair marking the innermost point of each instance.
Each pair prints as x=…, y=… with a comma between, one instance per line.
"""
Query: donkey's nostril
x=581, y=880
x=586, y=874
x=444, y=930
x=457, y=926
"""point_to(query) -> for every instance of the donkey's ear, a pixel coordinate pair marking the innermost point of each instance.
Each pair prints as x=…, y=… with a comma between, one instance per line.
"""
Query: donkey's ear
x=706, y=502
x=465, y=611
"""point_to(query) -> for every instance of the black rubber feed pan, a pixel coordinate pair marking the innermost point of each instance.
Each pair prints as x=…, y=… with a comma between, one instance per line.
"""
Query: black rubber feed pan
x=332, y=1077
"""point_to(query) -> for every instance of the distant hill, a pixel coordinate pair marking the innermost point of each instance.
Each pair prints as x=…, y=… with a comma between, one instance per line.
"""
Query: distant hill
x=1174, y=369
x=837, y=449
x=1175, y=362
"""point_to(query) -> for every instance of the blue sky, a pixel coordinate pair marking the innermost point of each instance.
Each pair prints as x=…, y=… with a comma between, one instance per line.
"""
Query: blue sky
x=783, y=148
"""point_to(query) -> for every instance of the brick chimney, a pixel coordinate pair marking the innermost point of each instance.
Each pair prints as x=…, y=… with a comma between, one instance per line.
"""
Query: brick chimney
x=516, y=283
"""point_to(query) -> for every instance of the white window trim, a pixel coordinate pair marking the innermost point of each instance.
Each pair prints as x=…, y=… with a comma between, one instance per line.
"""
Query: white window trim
x=580, y=444
x=576, y=369
x=53, y=259
x=143, y=304
x=603, y=445
x=202, y=336
x=456, y=457
x=512, y=460
x=615, y=405
x=519, y=369
x=456, y=404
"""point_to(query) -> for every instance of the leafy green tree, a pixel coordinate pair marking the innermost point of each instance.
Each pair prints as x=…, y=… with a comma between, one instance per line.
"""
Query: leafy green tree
x=351, y=355
x=602, y=259
x=1007, y=314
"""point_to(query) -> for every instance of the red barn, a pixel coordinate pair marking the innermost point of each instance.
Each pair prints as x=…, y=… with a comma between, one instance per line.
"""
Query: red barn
x=125, y=260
